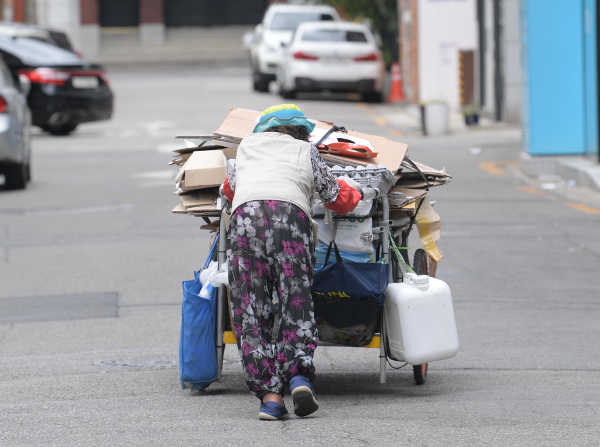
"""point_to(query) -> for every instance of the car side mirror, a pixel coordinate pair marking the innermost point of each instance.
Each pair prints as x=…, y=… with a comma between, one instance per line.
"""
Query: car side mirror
x=24, y=85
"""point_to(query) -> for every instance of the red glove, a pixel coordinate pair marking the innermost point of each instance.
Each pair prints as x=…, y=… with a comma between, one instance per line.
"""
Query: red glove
x=227, y=190
x=346, y=200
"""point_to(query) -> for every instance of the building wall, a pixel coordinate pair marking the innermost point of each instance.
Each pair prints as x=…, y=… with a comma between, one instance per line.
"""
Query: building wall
x=60, y=14
x=409, y=47
x=444, y=29
x=488, y=104
x=512, y=60
x=509, y=81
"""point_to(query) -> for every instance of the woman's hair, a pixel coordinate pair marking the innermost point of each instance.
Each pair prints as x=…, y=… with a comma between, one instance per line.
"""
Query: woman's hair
x=297, y=132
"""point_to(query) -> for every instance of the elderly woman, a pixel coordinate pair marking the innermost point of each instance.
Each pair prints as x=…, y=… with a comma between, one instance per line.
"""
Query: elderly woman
x=271, y=256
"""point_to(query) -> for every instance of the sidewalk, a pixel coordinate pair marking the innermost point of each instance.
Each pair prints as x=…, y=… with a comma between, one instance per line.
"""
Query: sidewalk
x=406, y=118
x=203, y=45
x=574, y=170
x=550, y=173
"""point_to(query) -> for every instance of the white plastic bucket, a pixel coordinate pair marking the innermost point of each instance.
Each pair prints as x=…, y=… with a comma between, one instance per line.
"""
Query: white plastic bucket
x=436, y=119
x=419, y=318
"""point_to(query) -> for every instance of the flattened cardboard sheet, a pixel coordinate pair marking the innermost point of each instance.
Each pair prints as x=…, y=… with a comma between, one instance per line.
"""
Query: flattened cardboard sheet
x=179, y=209
x=241, y=122
x=200, y=197
x=404, y=196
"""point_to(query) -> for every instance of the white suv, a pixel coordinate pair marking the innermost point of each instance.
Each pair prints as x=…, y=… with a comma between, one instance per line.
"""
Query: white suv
x=275, y=32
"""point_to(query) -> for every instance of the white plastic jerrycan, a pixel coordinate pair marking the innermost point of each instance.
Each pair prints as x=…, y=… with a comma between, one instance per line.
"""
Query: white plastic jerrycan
x=419, y=318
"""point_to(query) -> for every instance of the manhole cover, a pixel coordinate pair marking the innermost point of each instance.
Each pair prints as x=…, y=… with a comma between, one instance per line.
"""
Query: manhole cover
x=148, y=362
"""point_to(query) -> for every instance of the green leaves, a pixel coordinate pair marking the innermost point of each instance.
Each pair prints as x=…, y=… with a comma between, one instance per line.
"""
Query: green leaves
x=383, y=18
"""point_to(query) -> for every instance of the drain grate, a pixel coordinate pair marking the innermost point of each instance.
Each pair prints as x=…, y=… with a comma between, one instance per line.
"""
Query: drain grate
x=147, y=362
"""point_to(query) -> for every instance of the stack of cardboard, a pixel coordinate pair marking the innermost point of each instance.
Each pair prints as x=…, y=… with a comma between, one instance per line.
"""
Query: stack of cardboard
x=411, y=178
x=206, y=160
x=198, y=181
x=410, y=187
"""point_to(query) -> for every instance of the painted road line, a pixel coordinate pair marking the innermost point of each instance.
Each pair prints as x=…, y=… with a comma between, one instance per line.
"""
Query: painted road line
x=532, y=190
x=381, y=122
x=361, y=104
x=583, y=208
x=491, y=168
x=395, y=132
x=88, y=209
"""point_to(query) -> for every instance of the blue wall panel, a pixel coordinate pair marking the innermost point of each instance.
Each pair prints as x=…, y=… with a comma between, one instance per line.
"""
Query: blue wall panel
x=555, y=56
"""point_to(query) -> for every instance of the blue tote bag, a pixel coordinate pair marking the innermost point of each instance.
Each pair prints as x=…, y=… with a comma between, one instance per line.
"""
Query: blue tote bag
x=351, y=280
x=347, y=298
x=197, y=349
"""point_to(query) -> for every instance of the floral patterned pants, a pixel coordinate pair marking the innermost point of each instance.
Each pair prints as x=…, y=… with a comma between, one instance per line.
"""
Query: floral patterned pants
x=271, y=258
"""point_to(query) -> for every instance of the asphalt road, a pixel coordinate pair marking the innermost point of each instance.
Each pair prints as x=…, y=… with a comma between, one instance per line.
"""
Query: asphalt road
x=91, y=264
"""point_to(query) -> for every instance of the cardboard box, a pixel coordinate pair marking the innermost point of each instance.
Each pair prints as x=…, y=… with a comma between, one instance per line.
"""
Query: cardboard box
x=204, y=169
x=241, y=122
x=202, y=197
x=230, y=152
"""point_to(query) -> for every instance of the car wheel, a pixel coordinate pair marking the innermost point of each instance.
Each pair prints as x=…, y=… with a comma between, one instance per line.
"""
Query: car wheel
x=260, y=82
x=288, y=94
x=420, y=373
x=28, y=172
x=63, y=129
x=16, y=176
x=373, y=97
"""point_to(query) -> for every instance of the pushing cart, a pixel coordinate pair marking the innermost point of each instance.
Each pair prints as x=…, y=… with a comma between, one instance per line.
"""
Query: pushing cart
x=391, y=233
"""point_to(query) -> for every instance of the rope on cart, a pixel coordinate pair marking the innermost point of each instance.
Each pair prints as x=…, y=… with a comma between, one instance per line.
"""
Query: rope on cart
x=392, y=366
x=399, y=256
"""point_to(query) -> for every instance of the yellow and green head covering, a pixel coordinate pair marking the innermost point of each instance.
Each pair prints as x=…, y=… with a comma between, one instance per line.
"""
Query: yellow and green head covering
x=281, y=115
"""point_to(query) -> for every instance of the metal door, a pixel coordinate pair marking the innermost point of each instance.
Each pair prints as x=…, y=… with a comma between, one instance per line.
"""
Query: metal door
x=119, y=13
x=188, y=12
x=242, y=12
x=214, y=12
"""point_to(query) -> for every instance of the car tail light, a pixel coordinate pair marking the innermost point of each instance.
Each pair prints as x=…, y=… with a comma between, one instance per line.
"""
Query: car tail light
x=104, y=76
x=368, y=58
x=302, y=55
x=3, y=105
x=48, y=76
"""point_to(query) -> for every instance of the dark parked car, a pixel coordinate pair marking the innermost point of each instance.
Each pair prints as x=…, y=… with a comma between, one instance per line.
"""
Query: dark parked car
x=65, y=90
x=48, y=35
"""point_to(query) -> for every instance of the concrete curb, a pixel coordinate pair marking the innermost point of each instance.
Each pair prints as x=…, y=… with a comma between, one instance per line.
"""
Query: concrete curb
x=584, y=171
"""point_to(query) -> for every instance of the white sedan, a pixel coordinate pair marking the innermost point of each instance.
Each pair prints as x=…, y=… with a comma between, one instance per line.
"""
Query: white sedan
x=337, y=57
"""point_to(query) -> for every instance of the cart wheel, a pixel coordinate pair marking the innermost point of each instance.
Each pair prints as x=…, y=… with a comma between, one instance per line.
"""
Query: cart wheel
x=421, y=262
x=420, y=372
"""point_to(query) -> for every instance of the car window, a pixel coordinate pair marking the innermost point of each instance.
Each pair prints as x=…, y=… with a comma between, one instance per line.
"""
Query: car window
x=32, y=52
x=333, y=35
x=291, y=20
x=61, y=40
